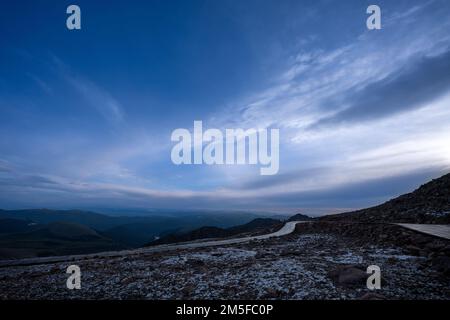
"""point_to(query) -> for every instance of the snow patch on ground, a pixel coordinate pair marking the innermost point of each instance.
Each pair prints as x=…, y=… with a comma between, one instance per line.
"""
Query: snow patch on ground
x=219, y=254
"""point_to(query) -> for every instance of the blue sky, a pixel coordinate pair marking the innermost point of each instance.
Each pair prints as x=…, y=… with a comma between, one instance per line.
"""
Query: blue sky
x=86, y=116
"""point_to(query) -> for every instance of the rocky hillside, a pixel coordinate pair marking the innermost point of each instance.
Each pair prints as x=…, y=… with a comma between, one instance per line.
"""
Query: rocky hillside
x=316, y=262
x=430, y=203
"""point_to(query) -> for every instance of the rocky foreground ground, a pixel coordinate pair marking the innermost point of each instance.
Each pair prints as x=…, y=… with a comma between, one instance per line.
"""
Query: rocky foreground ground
x=318, y=261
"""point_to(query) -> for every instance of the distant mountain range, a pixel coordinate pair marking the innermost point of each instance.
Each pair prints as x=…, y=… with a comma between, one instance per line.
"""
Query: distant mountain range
x=55, y=238
x=300, y=217
x=44, y=232
x=259, y=225
x=430, y=203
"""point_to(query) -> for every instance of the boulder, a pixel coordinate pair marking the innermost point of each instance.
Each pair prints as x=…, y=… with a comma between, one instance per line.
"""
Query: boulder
x=442, y=264
x=348, y=275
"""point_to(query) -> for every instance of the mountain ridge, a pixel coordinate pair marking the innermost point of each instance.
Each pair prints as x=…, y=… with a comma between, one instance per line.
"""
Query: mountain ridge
x=256, y=226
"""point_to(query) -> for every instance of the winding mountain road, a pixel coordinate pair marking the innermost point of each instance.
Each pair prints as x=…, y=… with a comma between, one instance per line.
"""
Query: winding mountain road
x=441, y=231
x=288, y=228
x=437, y=230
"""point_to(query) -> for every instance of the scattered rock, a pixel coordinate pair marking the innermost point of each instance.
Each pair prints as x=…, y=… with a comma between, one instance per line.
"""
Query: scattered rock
x=236, y=273
x=413, y=250
x=195, y=262
x=442, y=264
x=348, y=275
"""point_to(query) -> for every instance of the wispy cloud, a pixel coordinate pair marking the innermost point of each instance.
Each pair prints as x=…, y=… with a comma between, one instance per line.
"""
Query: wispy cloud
x=106, y=105
x=320, y=84
x=371, y=109
x=41, y=83
x=358, y=113
x=426, y=80
x=98, y=98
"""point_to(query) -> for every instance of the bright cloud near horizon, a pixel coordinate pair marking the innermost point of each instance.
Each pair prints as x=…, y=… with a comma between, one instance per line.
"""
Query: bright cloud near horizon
x=86, y=116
